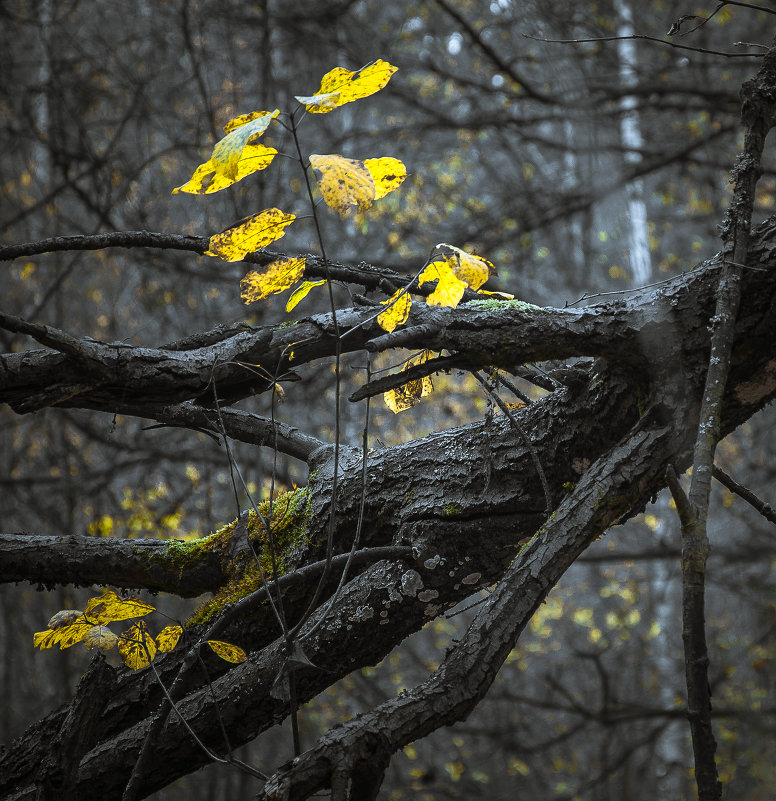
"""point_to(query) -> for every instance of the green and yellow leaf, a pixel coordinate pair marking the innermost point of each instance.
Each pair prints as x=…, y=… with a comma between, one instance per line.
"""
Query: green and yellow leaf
x=109, y=607
x=227, y=651
x=253, y=233
x=397, y=312
x=449, y=289
x=348, y=86
x=168, y=638
x=410, y=394
x=343, y=182
x=235, y=156
x=387, y=174
x=275, y=277
x=301, y=292
x=100, y=637
x=137, y=646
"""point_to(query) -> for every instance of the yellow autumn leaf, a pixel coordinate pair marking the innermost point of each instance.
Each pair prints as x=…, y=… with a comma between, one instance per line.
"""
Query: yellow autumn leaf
x=253, y=233
x=473, y=270
x=227, y=651
x=343, y=182
x=397, y=312
x=449, y=289
x=387, y=174
x=348, y=86
x=275, y=277
x=168, y=638
x=64, y=618
x=137, y=646
x=235, y=156
x=301, y=292
x=108, y=607
x=70, y=635
x=99, y=637
x=410, y=394
x=46, y=639
x=496, y=295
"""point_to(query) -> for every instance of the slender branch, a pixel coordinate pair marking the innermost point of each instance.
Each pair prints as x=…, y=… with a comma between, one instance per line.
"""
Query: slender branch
x=765, y=509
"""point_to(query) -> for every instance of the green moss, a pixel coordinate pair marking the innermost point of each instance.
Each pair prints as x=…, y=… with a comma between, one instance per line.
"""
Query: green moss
x=286, y=324
x=569, y=486
x=493, y=303
x=288, y=523
x=452, y=509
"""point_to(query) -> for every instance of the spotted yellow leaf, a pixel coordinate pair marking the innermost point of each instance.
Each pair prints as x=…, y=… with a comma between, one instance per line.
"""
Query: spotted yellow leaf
x=227, y=651
x=410, y=394
x=100, y=637
x=348, y=86
x=397, y=312
x=449, y=289
x=301, y=292
x=343, y=182
x=137, y=646
x=235, y=156
x=387, y=174
x=168, y=638
x=275, y=277
x=108, y=607
x=251, y=234
x=473, y=270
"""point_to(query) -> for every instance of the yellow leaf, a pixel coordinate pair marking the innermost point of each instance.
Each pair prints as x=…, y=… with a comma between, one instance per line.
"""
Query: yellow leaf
x=64, y=618
x=70, y=635
x=349, y=86
x=387, y=174
x=277, y=276
x=449, y=290
x=99, y=637
x=46, y=639
x=168, y=638
x=109, y=607
x=234, y=156
x=253, y=233
x=397, y=312
x=410, y=394
x=301, y=292
x=137, y=646
x=343, y=182
x=473, y=270
x=497, y=295
x=227, y=651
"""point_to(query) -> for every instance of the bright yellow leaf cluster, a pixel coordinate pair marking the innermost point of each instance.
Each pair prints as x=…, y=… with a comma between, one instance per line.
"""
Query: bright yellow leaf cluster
x=340, y=86
x=136, y=645
x=235, y=156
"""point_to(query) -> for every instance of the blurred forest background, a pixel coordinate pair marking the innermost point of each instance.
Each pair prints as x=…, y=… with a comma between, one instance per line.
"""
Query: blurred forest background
x=577, y=169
